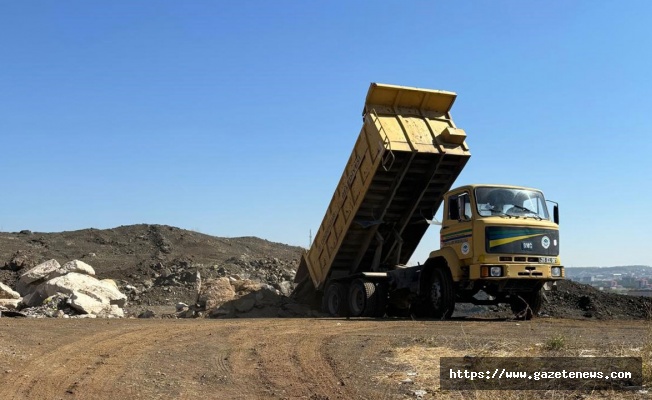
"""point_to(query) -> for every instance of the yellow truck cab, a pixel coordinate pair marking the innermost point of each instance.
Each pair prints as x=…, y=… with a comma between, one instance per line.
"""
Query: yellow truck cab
x=499, y=239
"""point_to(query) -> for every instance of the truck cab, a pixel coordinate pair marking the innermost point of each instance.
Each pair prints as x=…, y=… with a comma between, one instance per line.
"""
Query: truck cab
x=499, y=239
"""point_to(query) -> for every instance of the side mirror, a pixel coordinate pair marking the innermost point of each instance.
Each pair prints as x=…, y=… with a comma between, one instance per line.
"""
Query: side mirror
x=555, y=212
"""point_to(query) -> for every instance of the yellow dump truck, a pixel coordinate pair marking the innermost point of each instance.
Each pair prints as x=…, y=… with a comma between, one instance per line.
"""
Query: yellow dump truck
x=497, y=239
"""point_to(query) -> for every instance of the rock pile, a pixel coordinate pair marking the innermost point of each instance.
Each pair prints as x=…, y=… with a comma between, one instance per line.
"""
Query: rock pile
x=277, y=273
x=155, y=266
x=55, y=290
x=231, y=297
x=167, y=283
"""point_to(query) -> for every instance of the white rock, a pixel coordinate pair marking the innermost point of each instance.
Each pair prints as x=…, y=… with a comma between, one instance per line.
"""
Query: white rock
x=76, y=266
x=7, y=293
x=37, y=273
x=11, y=304
x=74, y=282
x=89, y=305
x=50, y=270
x=110, y=282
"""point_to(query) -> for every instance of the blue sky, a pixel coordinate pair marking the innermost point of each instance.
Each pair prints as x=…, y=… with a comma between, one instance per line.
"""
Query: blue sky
x=237, y=119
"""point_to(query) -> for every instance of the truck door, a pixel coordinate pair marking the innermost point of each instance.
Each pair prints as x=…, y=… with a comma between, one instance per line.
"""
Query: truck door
x=457, y=227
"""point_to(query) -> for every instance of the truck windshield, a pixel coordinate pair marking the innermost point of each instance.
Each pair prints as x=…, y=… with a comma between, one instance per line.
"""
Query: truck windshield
x=510, y=202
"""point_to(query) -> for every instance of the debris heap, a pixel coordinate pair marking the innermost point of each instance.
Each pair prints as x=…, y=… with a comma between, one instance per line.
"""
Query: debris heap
x=71, y=289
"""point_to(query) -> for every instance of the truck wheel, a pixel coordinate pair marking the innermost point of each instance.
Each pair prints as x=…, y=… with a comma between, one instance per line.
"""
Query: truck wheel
x=334, y=300
x=363, y=298
x=526, y=305
x=441, y=295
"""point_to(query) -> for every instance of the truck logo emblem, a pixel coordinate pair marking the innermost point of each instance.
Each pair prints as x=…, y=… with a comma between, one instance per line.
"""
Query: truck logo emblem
x=465, y=248
x=545, y=242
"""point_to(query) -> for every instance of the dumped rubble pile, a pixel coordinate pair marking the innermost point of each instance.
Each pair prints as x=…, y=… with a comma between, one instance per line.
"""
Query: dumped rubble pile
x=54, y=290
x=234, y=297
x=160, y=269
x=180, y=281
x=575, y=300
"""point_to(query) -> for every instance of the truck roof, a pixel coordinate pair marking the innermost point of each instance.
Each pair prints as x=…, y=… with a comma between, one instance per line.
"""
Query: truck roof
x=496, y=185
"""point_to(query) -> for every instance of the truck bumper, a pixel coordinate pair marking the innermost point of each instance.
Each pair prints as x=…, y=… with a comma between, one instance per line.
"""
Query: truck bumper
x=516, y=271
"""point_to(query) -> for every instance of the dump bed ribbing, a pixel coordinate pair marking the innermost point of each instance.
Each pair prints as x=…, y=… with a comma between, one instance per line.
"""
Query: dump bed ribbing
x=408, y=154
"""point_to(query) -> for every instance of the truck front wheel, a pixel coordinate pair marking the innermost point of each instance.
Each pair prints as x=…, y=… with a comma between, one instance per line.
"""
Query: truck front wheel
x=441, y=295
x=526, y=305
x=334, y=300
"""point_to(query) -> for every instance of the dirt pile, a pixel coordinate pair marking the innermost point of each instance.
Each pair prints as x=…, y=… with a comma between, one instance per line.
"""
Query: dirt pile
x=159, y=267
x=171, y=272
x=575, y=300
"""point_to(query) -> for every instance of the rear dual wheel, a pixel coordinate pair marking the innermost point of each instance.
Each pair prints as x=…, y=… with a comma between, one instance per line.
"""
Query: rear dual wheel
x=334, y=301
x=367, y=299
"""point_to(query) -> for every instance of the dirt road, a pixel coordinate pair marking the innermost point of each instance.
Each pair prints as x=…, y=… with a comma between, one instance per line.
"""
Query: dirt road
x=275, y=358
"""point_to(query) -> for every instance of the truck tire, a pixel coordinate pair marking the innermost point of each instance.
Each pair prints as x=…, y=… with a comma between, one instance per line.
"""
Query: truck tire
x=441, y=296
x=334, y=301
x=362, y=298
x=526, y=305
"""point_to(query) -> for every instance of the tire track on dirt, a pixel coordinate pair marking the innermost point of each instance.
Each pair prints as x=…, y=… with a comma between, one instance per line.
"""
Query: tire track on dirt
x=96, y=364
x=65, y=370
x=255, y=358
x=288, y=360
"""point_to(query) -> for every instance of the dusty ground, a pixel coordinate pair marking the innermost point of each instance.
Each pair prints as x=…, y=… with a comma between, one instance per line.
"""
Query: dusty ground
x=284, y=358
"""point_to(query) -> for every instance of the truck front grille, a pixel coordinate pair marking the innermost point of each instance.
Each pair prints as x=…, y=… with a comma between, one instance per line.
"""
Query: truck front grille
x=530, y=273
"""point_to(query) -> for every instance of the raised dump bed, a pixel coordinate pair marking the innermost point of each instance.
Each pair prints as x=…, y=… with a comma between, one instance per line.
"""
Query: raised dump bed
x=408, y=154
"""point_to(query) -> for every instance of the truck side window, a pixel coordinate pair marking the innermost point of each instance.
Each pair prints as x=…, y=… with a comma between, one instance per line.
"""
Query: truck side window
x=459, y=207
x=453, y=210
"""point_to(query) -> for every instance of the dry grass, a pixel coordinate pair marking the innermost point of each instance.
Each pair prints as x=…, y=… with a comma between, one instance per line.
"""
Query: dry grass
x=555, y=343
x=418, y=364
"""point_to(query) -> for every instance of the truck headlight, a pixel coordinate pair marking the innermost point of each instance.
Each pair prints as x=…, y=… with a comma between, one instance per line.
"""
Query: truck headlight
x=496, y=271
x=555, y=271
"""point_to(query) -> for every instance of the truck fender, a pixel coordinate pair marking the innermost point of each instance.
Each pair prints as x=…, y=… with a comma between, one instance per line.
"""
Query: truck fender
x=446, y=259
